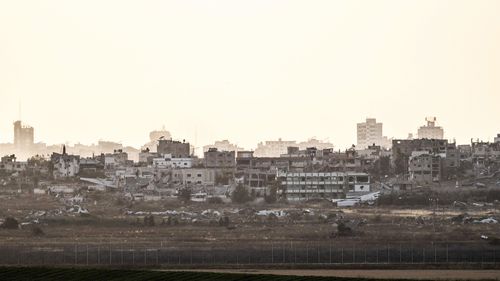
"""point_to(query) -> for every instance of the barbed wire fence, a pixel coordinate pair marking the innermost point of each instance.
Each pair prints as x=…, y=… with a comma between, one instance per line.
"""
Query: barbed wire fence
x=271, y=254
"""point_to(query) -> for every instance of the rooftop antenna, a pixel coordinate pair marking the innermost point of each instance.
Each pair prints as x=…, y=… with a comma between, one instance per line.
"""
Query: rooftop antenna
x=195, y=138
x=20, y=115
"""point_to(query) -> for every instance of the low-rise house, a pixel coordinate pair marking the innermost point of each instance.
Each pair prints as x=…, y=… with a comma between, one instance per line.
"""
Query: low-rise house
x=9, y=163
x=193, y=177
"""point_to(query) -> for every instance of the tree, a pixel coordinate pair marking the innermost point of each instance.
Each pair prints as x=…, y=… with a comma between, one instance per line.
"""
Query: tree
x=271, y=197
x=10, y=223
x=149, y=220
x=184, y=194
x=240, y=194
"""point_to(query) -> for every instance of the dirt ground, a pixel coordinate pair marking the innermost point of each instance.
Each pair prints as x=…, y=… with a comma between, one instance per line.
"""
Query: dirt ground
x=113, y=221
x=383, y=274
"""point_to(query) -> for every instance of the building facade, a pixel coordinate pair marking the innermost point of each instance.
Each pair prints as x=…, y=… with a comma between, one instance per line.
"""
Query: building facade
x=23, y=136
x=333, y=185
x=223, y=145
x=273, y=148
x=431, y=131
x=175, y=148
x=213, y=158
x=424, y=168
x=370, y=133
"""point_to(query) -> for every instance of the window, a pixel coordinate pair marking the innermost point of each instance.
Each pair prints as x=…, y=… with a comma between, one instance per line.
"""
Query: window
x=199, y=175
x=362, y=179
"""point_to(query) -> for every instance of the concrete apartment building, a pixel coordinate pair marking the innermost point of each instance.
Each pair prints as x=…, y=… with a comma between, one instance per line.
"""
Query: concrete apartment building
x=223, y=145
x=64, y=165
x=312, y=142
x=213, y=158
x=194, y=177
x=403, y=149
x=273, y=148
x=369, y=133
x=23, y=136
x=175, y=148
x=424, y=168
x=332, y=185
x=431, y=131
x=167, y=161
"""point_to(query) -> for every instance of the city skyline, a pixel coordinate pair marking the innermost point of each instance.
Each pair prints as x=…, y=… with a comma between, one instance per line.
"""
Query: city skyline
x=200, y=147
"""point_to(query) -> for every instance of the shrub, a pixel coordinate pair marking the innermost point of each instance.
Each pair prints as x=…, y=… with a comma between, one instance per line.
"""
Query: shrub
x=10, y=223
x=215, y=200
x=184, y=194
x=240, y=194
x=37, y=231
x=149, y=221
x=271, y=197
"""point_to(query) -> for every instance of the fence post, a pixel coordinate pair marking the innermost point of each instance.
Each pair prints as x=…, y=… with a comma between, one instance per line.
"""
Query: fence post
x=272, y=253
x=330, y=253
x=354, y=253
x=307, y=253
x=400, y=253
x=435, y=254
x=342, y=254
x=388, y=255
x=447, y=254
x=365, y=253
x=284, y=253
x=319, y=259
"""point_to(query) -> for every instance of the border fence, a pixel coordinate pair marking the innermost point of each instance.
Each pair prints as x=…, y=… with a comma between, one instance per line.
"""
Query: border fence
x=270, y=254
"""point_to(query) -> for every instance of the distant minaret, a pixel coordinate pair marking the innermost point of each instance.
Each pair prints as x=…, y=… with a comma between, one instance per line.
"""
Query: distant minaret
x=20, y=112
x=64, y=149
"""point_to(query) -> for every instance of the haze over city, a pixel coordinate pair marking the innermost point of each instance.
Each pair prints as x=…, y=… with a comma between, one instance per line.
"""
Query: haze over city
x=249, y=140
x=248, y=71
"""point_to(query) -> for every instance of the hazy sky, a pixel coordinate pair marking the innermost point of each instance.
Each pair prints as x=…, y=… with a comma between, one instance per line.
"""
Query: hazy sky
x=248, y=70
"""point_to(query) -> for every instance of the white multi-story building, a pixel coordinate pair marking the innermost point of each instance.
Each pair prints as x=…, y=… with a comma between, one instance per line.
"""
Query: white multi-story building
x=223, y=145
x=431, y=131
x=306, y=186
x=273, y=148
x=370, y=133
x=312, y=142
x=168, y=162
x=497, y=138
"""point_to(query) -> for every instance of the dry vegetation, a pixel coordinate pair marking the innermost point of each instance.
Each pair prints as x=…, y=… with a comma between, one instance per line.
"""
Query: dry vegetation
x=115, y=221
